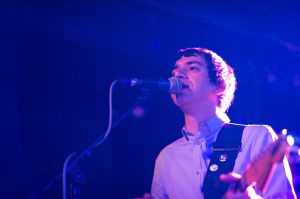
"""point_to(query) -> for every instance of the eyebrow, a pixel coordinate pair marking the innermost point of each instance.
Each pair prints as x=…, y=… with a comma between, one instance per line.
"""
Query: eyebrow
x=190, y=63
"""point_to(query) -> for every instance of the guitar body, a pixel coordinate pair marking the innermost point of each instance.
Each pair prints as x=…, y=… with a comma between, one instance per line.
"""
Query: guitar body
x=260, y=169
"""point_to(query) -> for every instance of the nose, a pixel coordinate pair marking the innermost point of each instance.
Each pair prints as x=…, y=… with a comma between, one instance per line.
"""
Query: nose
x=180, y=73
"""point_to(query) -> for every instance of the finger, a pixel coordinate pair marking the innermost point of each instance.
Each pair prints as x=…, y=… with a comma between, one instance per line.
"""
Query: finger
x=147, y=196
x=230, y=177
x=252, y=194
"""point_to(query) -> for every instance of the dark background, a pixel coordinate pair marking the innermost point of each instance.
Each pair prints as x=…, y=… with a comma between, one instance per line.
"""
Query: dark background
x=58, y=59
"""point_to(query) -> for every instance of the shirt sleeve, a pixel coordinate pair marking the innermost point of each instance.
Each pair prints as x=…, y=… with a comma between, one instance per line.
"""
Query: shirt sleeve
x=157, y=188
x=280, y=183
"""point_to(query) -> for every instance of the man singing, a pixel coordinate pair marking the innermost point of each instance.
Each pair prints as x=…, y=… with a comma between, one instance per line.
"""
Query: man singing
x=189, y=167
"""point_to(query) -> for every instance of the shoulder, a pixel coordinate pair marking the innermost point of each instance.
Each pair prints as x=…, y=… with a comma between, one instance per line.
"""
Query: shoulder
x=257, y=130
x=260, y=131
x=256, y=137
x=172, y=149
x=174, y=146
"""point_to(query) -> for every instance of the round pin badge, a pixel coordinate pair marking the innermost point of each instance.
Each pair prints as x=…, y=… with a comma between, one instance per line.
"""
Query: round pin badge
x=214, y=167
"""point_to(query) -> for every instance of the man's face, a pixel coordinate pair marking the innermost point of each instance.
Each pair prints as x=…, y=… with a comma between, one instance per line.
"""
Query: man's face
x=192, y=72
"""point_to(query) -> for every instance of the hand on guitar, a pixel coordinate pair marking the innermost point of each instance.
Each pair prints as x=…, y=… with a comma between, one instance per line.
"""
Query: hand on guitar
x=236, y=190
x=257, y=172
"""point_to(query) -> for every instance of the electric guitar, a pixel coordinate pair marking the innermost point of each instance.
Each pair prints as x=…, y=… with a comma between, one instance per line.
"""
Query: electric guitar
x=259, y=171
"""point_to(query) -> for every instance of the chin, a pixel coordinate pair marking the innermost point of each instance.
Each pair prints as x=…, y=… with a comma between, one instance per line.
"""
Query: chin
x=180, y=100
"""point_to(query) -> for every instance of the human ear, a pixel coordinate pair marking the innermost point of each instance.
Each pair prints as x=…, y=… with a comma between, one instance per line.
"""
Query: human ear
x=219, y=89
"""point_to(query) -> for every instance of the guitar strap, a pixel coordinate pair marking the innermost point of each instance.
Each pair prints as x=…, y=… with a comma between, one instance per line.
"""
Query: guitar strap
x=225, y=150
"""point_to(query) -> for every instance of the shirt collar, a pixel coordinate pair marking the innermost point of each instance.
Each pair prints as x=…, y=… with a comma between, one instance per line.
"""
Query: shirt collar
x=207, y=128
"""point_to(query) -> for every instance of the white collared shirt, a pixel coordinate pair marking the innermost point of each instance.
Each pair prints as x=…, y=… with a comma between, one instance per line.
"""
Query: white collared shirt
x=181, y=166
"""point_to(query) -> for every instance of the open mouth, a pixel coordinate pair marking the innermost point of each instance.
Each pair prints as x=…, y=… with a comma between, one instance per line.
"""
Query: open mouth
x=184, y=86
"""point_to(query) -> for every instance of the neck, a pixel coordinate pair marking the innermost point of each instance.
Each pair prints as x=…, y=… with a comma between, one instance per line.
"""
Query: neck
x=194, y=117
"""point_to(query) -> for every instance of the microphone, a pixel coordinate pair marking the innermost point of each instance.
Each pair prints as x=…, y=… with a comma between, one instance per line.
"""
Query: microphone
x=172, y=85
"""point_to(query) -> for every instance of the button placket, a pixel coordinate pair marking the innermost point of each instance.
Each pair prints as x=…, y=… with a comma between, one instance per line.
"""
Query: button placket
x=198, y=172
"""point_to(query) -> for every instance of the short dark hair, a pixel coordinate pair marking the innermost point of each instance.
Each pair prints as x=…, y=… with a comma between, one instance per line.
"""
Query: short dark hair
x=220, y=73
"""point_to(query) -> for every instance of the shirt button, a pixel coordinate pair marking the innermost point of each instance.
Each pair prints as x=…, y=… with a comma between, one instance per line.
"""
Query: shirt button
x=197, y=172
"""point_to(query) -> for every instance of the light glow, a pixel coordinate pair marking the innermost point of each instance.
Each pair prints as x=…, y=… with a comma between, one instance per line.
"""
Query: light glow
x=290, y=140
x=138, y=112
x=284, y=131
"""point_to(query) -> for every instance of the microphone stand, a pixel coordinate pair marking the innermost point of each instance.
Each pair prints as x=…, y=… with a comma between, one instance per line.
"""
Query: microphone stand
x=71, y=172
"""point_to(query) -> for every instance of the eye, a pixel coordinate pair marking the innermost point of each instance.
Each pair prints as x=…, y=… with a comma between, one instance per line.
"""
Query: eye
x=194, y=68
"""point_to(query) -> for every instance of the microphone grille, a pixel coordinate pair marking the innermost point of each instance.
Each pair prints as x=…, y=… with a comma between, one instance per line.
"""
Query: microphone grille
x=175, y=85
